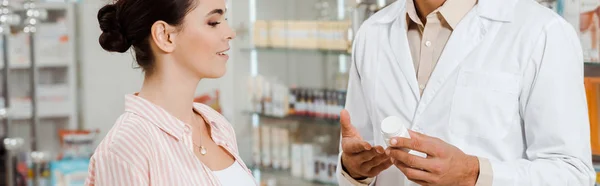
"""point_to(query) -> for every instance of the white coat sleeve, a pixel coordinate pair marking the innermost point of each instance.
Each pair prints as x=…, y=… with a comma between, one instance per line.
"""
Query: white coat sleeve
x=357, y=107
x=554, y=114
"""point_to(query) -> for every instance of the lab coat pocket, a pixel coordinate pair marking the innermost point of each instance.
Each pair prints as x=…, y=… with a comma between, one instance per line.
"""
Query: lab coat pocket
x=485, y=103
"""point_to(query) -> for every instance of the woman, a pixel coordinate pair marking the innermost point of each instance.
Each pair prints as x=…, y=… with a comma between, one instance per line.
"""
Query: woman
x=163, y=138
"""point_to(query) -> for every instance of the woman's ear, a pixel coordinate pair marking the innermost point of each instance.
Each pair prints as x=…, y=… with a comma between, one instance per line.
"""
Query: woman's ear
x=163, y=35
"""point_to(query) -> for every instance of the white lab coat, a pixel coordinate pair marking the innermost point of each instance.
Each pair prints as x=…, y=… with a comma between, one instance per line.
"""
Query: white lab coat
x=508, y=87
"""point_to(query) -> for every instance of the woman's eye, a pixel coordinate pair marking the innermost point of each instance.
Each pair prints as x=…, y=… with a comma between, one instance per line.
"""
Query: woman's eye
x=213, y=24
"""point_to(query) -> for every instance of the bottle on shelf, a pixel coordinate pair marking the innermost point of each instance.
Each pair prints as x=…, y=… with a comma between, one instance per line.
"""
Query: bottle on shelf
x=292, y=101
x=331, y=105
x=301, y=103
x=310, y=102
x=318, y=104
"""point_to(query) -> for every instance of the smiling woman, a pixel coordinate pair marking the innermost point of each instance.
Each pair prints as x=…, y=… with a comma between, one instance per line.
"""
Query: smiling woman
x=163, y=137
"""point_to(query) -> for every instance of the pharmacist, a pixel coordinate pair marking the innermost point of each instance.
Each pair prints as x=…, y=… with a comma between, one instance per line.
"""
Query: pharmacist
x=492, y=91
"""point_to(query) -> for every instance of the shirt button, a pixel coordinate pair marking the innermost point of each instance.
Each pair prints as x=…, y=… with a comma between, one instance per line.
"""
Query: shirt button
x=421, y=86
x=427, y=43
x=186, y=129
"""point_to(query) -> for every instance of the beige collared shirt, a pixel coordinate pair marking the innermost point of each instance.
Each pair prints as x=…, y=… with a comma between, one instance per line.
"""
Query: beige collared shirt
x=427, y=41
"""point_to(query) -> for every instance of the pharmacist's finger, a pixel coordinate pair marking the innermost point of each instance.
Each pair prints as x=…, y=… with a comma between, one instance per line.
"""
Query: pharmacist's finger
x=348, y=129
x=365, y=157
x=375, y=161
x=418, y=142
x=385, y=164
x=379, y=149
x=413, y=161
x=354, y=145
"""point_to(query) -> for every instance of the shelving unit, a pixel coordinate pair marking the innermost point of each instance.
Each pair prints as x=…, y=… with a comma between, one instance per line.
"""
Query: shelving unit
x=302, y=119
x=56, y=68
x=276, y=177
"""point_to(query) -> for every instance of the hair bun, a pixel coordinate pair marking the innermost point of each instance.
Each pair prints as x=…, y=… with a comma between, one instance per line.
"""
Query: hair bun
x=111, y=39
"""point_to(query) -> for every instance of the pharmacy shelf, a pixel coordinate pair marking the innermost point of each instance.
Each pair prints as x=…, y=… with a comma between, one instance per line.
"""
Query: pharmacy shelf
x=276, y=49
x=283, y=178
x=41, y=64
x=303, y=119
x=21, y=109
x=596, y=158
x=592, y=69
x=43, y=5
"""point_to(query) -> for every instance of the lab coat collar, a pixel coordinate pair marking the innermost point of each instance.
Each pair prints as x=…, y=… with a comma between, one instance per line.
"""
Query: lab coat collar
x=499, y=10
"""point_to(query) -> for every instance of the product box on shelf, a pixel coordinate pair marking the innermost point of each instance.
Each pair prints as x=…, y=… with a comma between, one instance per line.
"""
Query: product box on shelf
x=261, y=33
x=325, y=35
x=52, y=43
x=302, y=34
x=53, y=101
x=297, y=160
x=266, y=146
x=325, y=170
x=340, y=35
x=19, y=49
x=308, y=160
x=333, y=35
x=69, y=172
x=256, y=143
x=285, y=148
x=278, y=34
x=275, y=148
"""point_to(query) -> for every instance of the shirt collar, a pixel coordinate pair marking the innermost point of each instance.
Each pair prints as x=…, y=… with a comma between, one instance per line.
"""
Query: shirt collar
x=452, y=11
x=160, y=117
x=499, y=10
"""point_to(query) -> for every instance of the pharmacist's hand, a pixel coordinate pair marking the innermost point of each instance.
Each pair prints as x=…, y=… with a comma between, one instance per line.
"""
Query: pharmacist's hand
x=445, y=164
x=359, y=159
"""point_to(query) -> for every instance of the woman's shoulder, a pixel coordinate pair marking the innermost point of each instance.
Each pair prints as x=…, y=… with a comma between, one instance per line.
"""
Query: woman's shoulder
x=129, y=135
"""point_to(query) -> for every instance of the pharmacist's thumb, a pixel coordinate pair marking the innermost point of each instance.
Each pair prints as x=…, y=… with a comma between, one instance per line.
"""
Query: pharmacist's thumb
x=347, y=128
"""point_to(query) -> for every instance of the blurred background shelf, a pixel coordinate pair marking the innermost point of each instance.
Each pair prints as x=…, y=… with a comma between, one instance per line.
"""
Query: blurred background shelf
x=303, y=119
x=272, y=177
x=278, y=49
x=592, y=69
x=41, y=64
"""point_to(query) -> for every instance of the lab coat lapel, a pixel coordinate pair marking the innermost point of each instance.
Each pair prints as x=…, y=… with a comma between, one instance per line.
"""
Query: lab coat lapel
x=399, y=45
x=464, y=39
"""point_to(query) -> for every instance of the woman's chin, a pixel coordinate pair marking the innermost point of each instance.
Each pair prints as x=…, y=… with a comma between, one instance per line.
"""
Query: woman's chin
x=215, y=74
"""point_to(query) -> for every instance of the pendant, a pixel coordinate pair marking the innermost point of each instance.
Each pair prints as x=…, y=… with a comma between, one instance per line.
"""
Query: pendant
x=202, y=150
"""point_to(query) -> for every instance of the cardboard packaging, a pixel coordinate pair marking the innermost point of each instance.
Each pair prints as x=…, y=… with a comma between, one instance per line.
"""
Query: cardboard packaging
x=266, y=146
x=278, y=34
x=261, y=33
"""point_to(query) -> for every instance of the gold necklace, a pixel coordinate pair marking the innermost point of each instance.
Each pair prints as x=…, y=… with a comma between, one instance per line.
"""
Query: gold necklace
x=203, y=150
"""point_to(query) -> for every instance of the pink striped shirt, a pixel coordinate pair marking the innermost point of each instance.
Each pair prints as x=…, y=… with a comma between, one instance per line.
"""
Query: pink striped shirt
x=148, y=146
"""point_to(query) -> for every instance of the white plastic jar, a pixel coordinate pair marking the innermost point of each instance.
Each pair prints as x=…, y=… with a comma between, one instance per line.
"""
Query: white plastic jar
x=394, y=126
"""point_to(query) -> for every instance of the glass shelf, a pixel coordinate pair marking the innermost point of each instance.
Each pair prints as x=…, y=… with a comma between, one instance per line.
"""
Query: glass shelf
x=274, y=49
x=283, y=177
x=303, y=119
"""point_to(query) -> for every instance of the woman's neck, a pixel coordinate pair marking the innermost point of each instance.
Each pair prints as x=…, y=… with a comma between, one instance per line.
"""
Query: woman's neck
x=172, y=90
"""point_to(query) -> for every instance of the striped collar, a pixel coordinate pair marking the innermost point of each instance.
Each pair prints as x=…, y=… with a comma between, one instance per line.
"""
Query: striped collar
x=163, y=119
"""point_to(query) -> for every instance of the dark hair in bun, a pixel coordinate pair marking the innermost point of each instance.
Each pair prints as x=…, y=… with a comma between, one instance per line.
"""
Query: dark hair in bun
x=127, y=23
x=112, y=38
